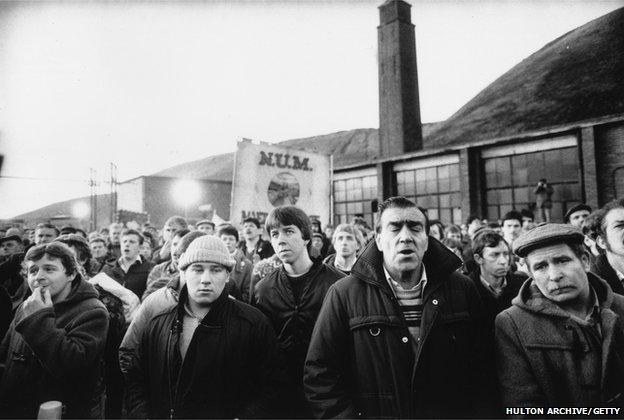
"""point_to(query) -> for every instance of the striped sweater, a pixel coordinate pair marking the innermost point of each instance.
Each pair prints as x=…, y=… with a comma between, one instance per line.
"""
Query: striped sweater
x=410, y=301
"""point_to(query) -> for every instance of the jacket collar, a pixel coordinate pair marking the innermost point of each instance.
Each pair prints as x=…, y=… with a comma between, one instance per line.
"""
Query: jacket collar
x=439, y=262
x=216, y=314
x=531, y=299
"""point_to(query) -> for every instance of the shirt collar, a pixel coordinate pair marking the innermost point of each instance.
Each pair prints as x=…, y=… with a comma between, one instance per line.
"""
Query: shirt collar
x=394, y=285
x=125, y=266
x=496, y=291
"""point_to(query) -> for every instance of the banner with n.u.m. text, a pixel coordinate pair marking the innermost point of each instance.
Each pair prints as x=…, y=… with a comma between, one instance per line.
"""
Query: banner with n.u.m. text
x=268, y=176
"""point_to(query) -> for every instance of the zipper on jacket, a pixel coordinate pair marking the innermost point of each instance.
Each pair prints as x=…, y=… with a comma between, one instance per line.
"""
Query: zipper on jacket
x=397, y=307
x=172, y=392
x=169, y=373
x=420, y=346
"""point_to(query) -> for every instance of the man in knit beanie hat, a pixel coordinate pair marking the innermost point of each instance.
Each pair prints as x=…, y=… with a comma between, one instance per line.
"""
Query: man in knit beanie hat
x=242, y=375
x=162, y=299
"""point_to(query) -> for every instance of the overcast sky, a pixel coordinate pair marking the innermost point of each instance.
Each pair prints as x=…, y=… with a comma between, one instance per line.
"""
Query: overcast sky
x=149, y=85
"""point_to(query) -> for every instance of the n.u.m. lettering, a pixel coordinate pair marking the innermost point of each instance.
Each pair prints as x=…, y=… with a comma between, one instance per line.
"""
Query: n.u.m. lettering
x=284, y=160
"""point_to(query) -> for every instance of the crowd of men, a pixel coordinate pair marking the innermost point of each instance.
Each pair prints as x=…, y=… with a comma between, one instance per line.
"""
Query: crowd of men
x=411, y=319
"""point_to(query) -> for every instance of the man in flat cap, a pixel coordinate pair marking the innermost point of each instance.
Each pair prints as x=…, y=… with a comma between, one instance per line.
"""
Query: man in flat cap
x=206, y=226
x=561, y=344
x=12, y=243
x=577, y=214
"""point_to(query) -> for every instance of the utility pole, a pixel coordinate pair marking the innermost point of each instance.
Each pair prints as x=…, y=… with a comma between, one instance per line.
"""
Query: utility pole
x=113, y=191
x=93, y=199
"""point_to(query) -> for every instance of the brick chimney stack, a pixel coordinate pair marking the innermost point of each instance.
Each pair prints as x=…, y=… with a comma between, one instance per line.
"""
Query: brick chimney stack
x=399, y=108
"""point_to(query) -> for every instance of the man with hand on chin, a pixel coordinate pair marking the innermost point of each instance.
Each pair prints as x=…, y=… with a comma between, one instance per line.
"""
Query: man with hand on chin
x=54, y=347
x=561, y=344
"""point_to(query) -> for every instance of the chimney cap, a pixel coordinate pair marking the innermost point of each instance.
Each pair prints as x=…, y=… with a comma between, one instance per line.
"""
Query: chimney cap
x=393, y=10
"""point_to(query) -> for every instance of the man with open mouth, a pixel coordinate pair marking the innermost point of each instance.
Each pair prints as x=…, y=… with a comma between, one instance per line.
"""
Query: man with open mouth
x=402, y=335
x=131, y=269
x=562, y=341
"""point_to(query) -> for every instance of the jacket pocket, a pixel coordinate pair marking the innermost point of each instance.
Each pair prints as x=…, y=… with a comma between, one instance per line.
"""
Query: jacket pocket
x=376, y=321
x=569, y=353
x=382, y=354
x=378, y=329
x=566, y=339
x=462, y=316
x=458, y=328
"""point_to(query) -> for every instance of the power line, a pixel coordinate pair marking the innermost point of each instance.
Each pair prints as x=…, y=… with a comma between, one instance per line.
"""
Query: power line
x=28, y=178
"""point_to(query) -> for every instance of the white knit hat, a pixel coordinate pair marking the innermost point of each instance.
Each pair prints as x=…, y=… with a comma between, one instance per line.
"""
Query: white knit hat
x=206, y=249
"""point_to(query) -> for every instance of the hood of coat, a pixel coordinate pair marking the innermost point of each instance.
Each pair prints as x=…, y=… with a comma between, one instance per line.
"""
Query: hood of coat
x=439, y=262
x=532, y=300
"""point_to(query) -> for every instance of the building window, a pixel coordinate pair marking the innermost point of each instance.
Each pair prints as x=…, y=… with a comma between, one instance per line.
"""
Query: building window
x=352, y=197
x=511, y=180
x=435, y=188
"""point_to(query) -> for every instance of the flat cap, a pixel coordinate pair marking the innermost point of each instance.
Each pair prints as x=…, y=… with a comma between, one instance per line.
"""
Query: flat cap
x=12, y=234
x=546, y=234
x=10, y=238
x=574, y=209
x=204, y=222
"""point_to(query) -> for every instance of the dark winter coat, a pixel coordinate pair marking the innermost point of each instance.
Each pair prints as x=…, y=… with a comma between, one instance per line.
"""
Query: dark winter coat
x=493, y=306
x=161, y=300
x=293, y=322
x=136, y=277
x=603, y=269
x=12, y=280
x=6, y=312
x=240, y=277
x=263, y=248
x=363, y=361
x=112, y=373
x=56, y=354
x=544, y=358
x=231, y=368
